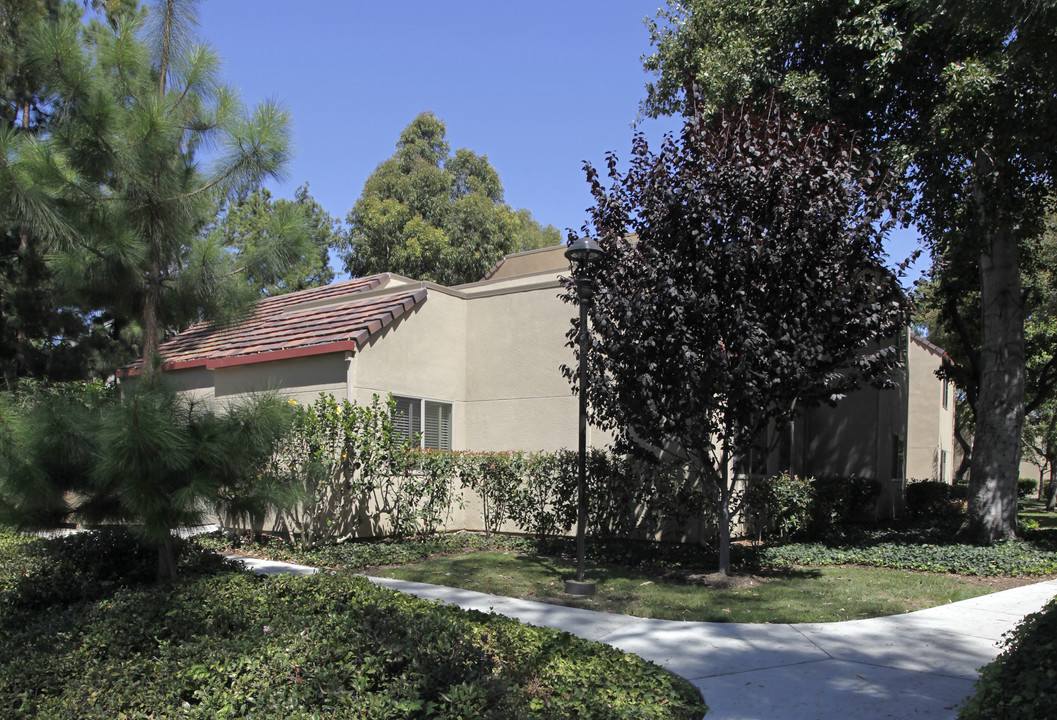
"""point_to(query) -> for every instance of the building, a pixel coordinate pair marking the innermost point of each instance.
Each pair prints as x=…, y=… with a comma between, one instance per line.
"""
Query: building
x=477, y=367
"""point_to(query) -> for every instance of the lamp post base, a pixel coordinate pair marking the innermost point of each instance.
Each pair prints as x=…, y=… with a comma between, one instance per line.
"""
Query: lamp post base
x=582, y=588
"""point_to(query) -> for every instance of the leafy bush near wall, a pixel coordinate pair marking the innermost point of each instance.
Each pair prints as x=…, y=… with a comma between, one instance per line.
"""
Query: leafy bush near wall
x=1021, y=684
x=1026, y=487
x=349, y=467
x=792, y=506
x=336, y=457
x=350, y=470
x=241, y=645
x=417, y=495
x=495, y=477
x=779, y=504
x=634, y=497
x=928, y=499
x=544, y=504
x=840, y=501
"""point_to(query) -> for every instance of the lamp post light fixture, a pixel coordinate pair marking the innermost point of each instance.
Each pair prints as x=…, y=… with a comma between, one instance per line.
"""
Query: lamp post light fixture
x=582, y=254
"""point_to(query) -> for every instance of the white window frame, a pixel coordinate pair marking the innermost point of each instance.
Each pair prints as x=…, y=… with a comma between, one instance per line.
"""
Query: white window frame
x=430, y=421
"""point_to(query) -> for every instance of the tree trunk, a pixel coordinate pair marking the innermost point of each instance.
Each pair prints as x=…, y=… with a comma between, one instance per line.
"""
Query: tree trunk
x=724, y=523
x=150, y=321
x=1051, y=505
x=1000, y=406
x=166, y=561
x=967, y=451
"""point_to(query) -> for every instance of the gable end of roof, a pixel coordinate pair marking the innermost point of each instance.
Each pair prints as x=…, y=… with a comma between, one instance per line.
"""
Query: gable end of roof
x=273, y=334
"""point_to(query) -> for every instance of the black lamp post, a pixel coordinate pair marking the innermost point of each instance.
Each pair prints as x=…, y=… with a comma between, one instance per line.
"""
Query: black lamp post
x=582, y=254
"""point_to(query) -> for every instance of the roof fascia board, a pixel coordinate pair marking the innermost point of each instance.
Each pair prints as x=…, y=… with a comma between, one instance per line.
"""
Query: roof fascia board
x=531, y=287
x=289, y=354
x=469, y=287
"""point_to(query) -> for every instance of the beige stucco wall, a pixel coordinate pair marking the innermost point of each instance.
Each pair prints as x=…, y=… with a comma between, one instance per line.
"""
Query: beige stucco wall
x=301, y=379
x=193, y=383
x=930, y=426
x=516, y=396
x=420, y=355
x=854, y=438
x=532, y=261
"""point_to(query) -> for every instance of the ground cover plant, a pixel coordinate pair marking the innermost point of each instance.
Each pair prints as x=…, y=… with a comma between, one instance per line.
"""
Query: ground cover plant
x=1021, y=684
x=223, y=643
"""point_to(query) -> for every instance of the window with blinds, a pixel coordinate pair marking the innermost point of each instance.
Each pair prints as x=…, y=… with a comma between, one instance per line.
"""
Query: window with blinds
x=437, y=435
x=425, y=423
x=407, y=418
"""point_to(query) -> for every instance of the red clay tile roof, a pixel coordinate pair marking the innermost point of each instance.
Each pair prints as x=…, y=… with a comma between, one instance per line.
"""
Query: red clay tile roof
x=934, y=349
x=495, y=268
x=279, y=330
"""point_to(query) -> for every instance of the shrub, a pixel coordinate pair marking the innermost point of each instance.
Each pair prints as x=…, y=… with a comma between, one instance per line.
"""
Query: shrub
x=781, y=504
x=495, y=477
x=1011, y=558
x=82, y=566
x=151, y=458
x=1021, y=684
x=927, y=499
x=1026, y=487
x=840, y=501
x=544, y=505
x=335, y=456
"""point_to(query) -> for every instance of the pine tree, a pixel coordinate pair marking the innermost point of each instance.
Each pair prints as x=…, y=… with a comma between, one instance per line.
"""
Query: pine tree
x=117, y=181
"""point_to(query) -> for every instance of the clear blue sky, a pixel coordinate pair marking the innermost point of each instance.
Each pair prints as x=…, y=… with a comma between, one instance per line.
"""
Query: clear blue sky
x=538, y=86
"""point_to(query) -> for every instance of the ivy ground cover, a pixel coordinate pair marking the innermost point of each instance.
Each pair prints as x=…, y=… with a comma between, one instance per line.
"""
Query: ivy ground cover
x=83, y=635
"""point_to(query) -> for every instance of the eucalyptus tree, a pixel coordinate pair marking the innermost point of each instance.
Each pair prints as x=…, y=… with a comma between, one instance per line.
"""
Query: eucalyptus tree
x=430, y=214
x=755, y=289
x=118, y=180
x=959, y=99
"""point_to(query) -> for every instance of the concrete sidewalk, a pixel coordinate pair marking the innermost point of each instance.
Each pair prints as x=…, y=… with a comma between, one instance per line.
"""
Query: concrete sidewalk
x=918, y=665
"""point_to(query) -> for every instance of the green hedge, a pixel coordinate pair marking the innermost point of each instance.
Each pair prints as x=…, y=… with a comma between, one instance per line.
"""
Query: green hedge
x=790, y=506
x=1021, y=684
x=350, y=468
x=232, y=644
x=928, y=499
x=1012, y=558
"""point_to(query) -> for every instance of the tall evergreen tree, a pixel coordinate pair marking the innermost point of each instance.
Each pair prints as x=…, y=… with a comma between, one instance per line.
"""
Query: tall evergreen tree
x=43, y=333
x=117, y=183
x=258, y=229
x=428, y=214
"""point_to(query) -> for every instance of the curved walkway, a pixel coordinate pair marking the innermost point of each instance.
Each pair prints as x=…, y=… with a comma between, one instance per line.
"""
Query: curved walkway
x=918, y=665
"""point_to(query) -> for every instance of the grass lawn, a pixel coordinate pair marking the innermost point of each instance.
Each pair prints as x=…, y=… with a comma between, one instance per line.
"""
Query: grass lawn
x=862, y=571
x=779, y=596
x=1033, y=511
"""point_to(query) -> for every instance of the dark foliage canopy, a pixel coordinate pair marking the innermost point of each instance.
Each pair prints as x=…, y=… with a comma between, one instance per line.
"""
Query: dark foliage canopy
x=755, y=288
